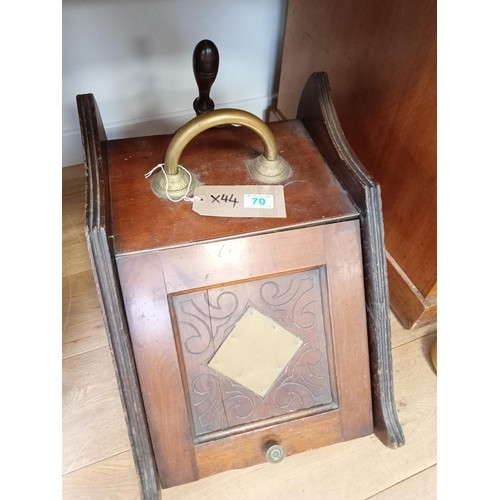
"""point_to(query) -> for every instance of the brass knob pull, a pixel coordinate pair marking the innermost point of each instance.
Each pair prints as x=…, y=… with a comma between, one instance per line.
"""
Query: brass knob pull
x=269, y=168
x=275, y=453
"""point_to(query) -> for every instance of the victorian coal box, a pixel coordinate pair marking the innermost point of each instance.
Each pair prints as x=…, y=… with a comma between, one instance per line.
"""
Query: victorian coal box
x=242, y=277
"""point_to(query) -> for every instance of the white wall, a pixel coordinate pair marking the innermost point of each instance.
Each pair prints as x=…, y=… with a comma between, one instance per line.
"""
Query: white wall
x=136, y=58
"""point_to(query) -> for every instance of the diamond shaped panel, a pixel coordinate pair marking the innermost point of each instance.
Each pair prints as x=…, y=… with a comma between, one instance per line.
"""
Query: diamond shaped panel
x=256, y=352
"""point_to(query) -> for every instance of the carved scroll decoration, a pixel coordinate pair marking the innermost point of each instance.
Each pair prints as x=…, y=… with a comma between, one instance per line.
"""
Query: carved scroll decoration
x=205, y=318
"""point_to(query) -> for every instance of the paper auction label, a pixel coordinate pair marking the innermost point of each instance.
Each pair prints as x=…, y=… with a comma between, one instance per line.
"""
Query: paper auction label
x=240, y=201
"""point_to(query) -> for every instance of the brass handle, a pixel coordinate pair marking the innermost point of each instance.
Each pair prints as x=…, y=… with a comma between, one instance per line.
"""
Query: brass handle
x=269, y=168
x=212, y=119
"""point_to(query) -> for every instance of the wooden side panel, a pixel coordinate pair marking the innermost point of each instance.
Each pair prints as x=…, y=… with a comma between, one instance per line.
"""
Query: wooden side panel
x=98, y=232
x=318, y=115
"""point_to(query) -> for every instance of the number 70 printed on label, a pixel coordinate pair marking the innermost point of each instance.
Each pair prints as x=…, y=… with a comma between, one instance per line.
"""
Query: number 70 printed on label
x=240, y=201
x=258, y=201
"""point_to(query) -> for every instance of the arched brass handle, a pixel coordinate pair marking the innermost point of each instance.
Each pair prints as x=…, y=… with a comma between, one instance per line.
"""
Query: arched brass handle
x=212, y=119
x=269, y=168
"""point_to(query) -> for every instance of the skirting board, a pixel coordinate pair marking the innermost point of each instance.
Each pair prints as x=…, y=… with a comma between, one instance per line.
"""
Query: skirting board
x=412, y=309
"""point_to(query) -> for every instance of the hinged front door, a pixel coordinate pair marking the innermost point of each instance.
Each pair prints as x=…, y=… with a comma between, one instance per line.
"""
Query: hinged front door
x=249, y=341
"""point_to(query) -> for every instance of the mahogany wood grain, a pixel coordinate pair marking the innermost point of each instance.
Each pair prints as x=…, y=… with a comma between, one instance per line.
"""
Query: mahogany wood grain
x=381, y=61
x=303, y=434
x=350, y=335
x=148, y=278
x=155, y=352
x=143, y=221
x=410, y=306
x=433, y=291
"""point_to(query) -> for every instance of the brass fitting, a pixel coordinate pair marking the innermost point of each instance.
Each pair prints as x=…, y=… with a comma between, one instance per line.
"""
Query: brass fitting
x=268, y=168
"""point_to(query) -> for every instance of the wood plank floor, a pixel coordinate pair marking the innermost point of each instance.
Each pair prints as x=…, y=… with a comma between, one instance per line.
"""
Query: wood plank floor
x=97, y=460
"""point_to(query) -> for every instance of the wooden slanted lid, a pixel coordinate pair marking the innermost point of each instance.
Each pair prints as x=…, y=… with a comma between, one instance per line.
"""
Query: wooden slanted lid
x=142, y=221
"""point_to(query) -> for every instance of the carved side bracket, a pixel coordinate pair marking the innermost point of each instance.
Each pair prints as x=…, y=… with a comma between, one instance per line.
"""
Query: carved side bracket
x=98, y=234
x=317, y=112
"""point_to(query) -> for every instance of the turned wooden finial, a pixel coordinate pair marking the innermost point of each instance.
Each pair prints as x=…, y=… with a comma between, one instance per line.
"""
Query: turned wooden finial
x=205, y=67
